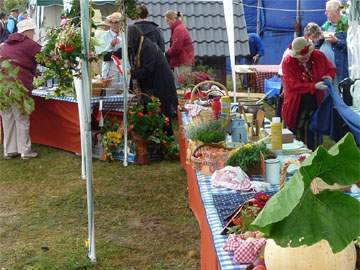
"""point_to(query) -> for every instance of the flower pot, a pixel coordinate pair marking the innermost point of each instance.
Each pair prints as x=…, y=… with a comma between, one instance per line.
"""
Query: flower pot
x=141, y=149
x=316, y=257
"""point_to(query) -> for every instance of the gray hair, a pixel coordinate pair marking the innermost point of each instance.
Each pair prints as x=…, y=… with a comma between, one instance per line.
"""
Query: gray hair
x=333, y=5
x=312, y=29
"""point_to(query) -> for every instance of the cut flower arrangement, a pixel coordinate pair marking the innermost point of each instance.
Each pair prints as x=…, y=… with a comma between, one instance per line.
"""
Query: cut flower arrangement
x=61, y=56
x=111, y=137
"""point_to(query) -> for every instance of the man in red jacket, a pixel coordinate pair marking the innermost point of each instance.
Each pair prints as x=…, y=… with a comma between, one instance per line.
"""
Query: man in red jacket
x=20, y=49
x=181, y=52
x=303, y=73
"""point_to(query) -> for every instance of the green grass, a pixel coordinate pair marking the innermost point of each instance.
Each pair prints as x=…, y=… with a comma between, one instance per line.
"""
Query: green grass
x=142, y=220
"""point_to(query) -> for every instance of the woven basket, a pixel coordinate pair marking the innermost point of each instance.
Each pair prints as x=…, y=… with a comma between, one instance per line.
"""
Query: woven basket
x=206, y=115
x=207, y=158
x=98, y=87
x=317, y=184
x=197, y=88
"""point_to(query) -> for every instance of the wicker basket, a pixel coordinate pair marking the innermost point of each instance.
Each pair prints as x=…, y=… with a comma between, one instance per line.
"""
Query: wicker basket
x=98, y=87
x=197, y=88
x=206, y=115
x=207, y=158
x=317, y=184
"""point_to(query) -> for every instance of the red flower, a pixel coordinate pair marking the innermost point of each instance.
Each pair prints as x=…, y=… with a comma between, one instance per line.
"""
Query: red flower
x=69, y=49
x=140, y=114
x=149, y=114
x=260, y=199
x=237, y=221
x=301, y=158
x=167, y=121
x=305, y=50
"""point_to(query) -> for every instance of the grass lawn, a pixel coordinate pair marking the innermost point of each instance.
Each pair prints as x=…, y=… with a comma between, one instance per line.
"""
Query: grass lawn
x=141, y=216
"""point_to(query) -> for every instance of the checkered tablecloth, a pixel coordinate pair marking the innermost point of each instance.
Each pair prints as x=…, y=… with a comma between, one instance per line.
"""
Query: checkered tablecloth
x=207, y=192
x=110, y=103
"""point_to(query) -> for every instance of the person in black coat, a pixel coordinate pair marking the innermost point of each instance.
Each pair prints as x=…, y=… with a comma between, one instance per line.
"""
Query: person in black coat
x=152, y=72
x=150, y=29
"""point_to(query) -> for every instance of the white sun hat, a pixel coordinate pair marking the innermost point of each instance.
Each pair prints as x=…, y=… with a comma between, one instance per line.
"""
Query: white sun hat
x=25, y=25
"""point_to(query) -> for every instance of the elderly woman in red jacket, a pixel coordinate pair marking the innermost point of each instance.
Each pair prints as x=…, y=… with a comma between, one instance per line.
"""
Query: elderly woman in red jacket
x=303, y=73
x=181, y=52
x=20, y=49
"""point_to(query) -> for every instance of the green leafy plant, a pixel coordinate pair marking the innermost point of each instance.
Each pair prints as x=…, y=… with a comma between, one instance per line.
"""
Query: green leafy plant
x=11, y=4
x=249, y=156
x=12, y=91
x=61, y=55
x=209, y=132
x=295, y=216
x=147, y=121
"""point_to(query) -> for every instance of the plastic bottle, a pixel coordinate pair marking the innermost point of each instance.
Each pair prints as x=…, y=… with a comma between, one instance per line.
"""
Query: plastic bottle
x=225, y=105
x=276, y=134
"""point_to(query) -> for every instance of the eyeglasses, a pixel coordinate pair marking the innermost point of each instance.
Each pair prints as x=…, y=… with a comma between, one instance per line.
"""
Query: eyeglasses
x=115, y=22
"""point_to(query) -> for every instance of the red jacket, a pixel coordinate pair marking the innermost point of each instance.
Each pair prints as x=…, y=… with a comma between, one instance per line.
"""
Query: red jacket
x=181, y=51
x=296, y=83
x=21, y=50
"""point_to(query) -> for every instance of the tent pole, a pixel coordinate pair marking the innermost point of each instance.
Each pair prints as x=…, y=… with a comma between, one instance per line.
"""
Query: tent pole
x=258, y=17
x=126, y=84
x=298, y=20
x=85, y=68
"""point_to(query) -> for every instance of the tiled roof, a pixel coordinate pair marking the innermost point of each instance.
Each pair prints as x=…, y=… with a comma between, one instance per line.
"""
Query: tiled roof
x=205, y=22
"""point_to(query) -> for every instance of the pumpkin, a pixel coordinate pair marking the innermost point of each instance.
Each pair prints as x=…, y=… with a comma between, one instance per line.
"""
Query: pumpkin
x=316, y=257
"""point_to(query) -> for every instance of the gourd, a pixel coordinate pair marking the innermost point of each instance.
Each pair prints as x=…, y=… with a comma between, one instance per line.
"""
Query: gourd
x=316, y=257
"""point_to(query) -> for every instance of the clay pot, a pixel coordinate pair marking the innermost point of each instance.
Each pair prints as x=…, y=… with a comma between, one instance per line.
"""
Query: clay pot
x=142, y=157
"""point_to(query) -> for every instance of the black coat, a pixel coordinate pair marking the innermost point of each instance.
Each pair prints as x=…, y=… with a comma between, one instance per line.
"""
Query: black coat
x=152, y=31
x=154, y=75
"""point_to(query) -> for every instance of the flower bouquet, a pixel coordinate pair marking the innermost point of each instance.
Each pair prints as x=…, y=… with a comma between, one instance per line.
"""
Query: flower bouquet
x=243, y=216
x=61, y=55
x=111, y=137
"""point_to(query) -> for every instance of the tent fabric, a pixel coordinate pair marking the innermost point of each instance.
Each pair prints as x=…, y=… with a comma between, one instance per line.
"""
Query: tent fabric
x=49, y=2
x=326, y=118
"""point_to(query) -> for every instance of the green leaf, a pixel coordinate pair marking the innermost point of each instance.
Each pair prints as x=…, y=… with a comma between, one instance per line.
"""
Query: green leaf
x=295, y=216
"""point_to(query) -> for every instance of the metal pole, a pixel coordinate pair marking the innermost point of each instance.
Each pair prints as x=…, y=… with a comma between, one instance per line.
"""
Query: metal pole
x=298, y=20
x=85, y=37
x=258, y=17
x=126, y=85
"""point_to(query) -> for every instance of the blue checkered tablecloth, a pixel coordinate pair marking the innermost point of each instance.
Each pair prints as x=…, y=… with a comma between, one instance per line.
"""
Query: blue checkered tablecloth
x=110, y=103
x=207, y=192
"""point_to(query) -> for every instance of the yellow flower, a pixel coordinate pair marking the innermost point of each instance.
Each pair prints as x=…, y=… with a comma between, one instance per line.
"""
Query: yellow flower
x=248, y=146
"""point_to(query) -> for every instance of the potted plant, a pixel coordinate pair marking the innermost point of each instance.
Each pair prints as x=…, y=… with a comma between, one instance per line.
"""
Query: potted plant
x=146, y=125
x=300, y=223
x=250, y=158
x=207, y=132
x=12, y=91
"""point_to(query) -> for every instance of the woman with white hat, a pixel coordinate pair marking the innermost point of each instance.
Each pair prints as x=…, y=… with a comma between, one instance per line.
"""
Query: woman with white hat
x=111, y=43
x=304, y=70
x=20, y=49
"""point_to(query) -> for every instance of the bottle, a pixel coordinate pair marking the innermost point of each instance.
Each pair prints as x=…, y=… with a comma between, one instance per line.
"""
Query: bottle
x=225, y=105
x=276, y=134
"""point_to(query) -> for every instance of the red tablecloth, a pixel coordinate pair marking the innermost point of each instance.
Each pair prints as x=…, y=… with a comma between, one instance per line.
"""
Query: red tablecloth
x=208, y=257
x=56, y=123
x=258, y=73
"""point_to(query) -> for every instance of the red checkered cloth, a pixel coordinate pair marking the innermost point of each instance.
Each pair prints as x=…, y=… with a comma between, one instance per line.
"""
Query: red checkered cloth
x=245, y=251
x=263, y=72
x=248, y=250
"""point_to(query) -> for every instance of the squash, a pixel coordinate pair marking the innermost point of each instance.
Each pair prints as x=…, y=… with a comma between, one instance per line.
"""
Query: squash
x=316, y=257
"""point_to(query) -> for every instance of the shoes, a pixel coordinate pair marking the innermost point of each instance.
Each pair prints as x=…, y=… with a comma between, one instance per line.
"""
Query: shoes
x=29, y=155
x=11, y=155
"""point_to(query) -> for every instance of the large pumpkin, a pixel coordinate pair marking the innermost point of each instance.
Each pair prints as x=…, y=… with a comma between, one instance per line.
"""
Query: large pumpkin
x=316, y=257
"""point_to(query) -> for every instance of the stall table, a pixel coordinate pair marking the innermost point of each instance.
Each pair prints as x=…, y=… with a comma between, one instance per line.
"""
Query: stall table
x=257, y=74
x=201, y=201
x=55, y=121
